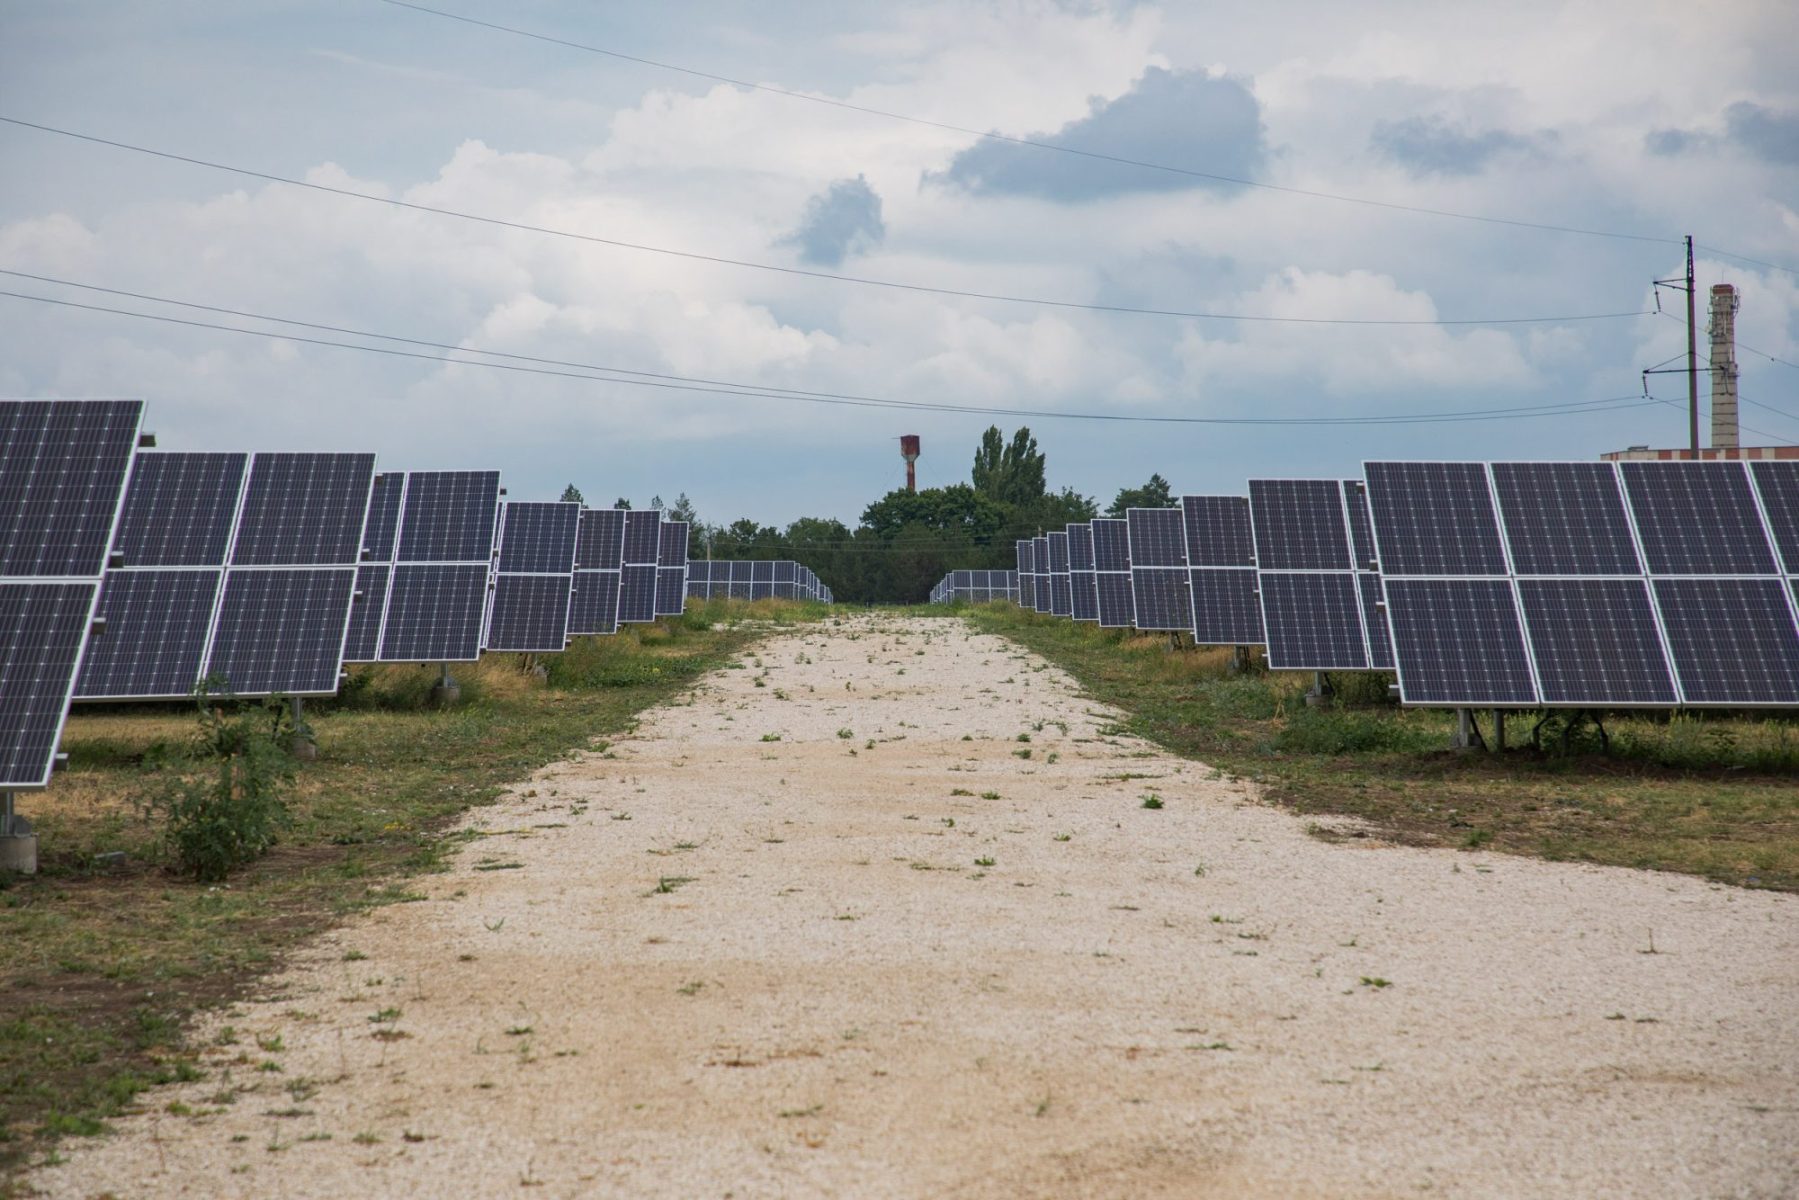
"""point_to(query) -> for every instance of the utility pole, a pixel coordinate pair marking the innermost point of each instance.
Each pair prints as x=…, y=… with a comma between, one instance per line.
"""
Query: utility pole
x=1692, y=356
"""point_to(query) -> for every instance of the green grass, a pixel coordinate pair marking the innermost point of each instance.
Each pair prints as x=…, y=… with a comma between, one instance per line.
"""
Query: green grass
x=1709, y=795
x=102, y=967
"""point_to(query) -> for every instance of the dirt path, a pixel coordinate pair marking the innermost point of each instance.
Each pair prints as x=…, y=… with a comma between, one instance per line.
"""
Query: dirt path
x=826, y=932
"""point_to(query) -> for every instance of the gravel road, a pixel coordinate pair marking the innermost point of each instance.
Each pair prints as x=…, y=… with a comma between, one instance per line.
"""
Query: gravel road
x=883, y=914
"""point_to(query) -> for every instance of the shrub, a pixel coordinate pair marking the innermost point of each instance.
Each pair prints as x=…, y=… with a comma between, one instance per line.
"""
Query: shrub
x=222, y=802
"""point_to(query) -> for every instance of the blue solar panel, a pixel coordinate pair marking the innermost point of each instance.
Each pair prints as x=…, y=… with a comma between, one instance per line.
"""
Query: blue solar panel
x=1080, y=547
x=594, y=608
x=671, y=544
x=1314, y=620
x=1226, y=610
x=179, y=510
x=363, y=642
x=601, y=545
x=740, y=579
x=1434, y=518
x=450, y=516
x=1778, y=485
x=62, y=469
x=1595, y=642
x=671, y=591
x=435, y=612
x=1458, y=642
x=1117, y=601
x=530, y=613
x=304, y=509
x=42, y=627
x=1111, y=544
x=643, y=537
x=1697, y=518
x=282, y=631
x=158, y=624
x=1058, y=553
x=1163, y=598
x=381, y=532
x=1735, y=642
x=538, y=537
x=1565, y=518
x=1361, y=526
x=1299, y=525
x=1374, y=622
x=637, y=594
x=1217, y=531
x=1157, y=537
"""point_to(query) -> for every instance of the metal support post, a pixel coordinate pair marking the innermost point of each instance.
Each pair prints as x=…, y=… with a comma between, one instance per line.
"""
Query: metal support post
x=1498, y=731
x=18, y=845
x=302, y=746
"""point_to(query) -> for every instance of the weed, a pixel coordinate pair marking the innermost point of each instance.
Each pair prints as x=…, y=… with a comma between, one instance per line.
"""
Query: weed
x=670, y=883
x=846, y=734
x=1376, y=982
x=1151, y=800
x=990, y=795
x=983, y=862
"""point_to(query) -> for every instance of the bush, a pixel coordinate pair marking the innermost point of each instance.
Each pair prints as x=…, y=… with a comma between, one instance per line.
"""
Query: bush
x=1336, y=731
x=222, y=803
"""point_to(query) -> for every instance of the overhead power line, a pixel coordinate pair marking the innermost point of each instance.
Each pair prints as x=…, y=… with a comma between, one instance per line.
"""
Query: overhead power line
x=1032, y=143
x=778, y=268
x=1744, y=258
x=759, y=392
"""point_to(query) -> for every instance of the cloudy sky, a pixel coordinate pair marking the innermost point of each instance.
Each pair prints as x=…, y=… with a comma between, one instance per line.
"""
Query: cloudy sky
x=1649, y=119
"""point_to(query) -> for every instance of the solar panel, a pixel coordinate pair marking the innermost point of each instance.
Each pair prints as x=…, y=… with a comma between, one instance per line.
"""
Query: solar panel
x=1083, y=586
x=363, y=642
x=1111, y=544
x=62, y=465
x=1361, y=525
x=1457, y=641
x=282, y=631
x=1160, y=590
x=1434, y=518
x=1045, y=593
x=671, y=575
x=530, y=613
x=762, y=579
x=637, y=594
x=1117, y=600
x=1374, y=621
x=1299, y=525
x=179, y=510
x=593, y=605
x=303, y=510
x=1027, y=573
x=741, y=572
x=1157, y=537
x=1595, y=642
x=1217, y=531
x=534, y=577
x=1060, y=586
x=643, y=537
x=1697, y=518
x=1226, y=609
x=1314, y=620
x=1565, y=518
x=435, y=612
x=1778, y=485
x=600, y=545
x=435, y=604
x=1734, y=641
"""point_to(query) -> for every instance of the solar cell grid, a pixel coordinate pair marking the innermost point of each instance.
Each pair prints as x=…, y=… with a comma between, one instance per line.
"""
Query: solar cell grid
x=1734, y=641
x=303, y=509
x=539, y=537
x=282, y=630
x=1226, y=610
x=671, y=591
x=1778, y=485
x=1374, y=622
x=1434, y=518
x=1058, y=553
x=1697, y=518
x=1565, y=518
x=42, y=628
x=1458, y=642
x=1084, y=595
x=1080, y=547
x=63, y=465
x=530, y=613
x=600, y=545
x=435, y=612
x=1045, y=594
x=157, y=627
x=363, y=642
x=1595, y=642
x=671, y=545
x=1061, y=598
x=1111, y=544
x=643, y=536
x=1156, y=537
x=1299, y=525
x=1314, y=621
x=637, y=594
x=593, y=604
x=179, y=510
x=1162, y=598
x=1218, y=531
x=381, y=530
x=449, y=516
x=1361, y=526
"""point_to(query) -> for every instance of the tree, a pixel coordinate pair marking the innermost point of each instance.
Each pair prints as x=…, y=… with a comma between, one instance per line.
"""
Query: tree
x=621, y=502
x=1154, y=494
x=683, y=510
x=656, y=503
x=1012, y=474
x=572, y=493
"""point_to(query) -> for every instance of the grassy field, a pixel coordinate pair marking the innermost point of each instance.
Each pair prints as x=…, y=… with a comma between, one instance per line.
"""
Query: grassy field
x=103, y=961
x=1710, y=796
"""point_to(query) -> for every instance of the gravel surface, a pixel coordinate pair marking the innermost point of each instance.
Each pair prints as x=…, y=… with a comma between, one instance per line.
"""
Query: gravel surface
x=833, y=934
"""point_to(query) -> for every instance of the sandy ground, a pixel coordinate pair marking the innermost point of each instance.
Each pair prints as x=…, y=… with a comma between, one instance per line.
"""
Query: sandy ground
x=834, y=936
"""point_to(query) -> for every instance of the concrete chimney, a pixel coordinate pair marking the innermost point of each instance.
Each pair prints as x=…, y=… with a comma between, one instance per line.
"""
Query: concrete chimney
x=909, y=452
x=1724, y=365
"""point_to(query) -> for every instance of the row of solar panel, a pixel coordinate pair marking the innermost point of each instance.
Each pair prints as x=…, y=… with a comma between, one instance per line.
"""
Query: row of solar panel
x=1580, y=584
x=754, y=579
x=976, y=587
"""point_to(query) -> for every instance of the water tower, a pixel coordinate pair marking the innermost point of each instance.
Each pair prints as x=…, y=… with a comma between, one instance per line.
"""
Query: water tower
x=909, y=452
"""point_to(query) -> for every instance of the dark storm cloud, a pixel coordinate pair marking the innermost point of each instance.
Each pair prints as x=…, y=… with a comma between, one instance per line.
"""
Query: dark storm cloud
x=1433, y=146
x=845, y=218
x=1182, y=118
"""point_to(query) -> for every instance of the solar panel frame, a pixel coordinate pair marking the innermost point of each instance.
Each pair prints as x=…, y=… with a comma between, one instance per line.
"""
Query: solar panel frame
x=443, y=551
x=1217, y=531
x=1733, y=639
x=303, y=509
x=1117, y=599
x=1698, y=518
x=1299, y=525
x=1596, y=642
x=1313, y=621
x=1414, y=511
x=44, y=625
x=1777, y=488
x=1474, y=624
x=436, y=612
x=1564, y=519
x=600, y=544
x=1161, y=594
x=281, y=630
x=533, y=577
